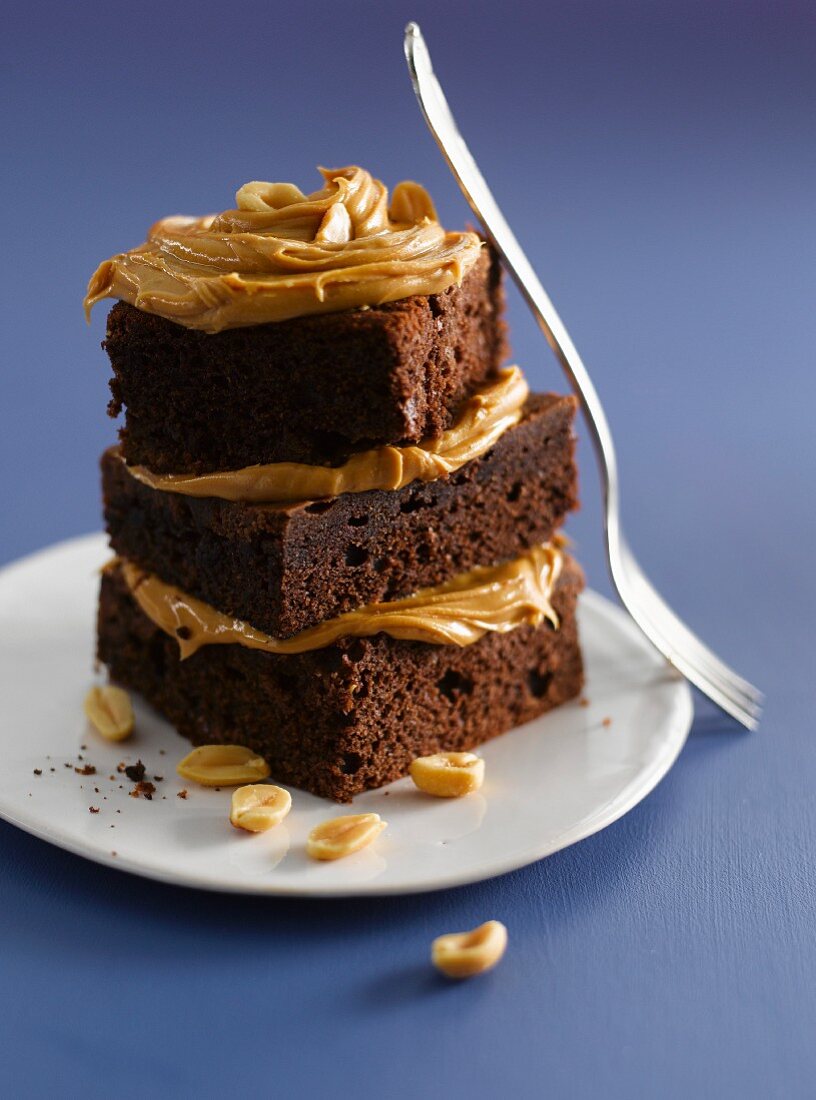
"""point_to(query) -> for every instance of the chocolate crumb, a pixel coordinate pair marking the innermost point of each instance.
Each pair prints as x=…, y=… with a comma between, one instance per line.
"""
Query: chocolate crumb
x=120, y=767
x=136, y=771
x=159, y=778
x=114, y=853
x=83, y=747
x=52, y=769
x=88, y=769
x=69, y=765
x=93, y=809
x=38, y=771
x=182, y=794
x=161, y=752
x=583, y=702
x=112, y=778
x=96, y=790
x=143, y=788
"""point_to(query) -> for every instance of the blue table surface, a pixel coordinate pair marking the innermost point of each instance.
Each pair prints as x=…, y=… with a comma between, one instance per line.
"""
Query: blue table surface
x=658, y=162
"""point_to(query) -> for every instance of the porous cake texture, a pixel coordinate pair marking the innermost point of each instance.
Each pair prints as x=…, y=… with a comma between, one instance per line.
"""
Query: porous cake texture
x=288, y=567
x=312, y=330
x=340, y=720
x=311, y=389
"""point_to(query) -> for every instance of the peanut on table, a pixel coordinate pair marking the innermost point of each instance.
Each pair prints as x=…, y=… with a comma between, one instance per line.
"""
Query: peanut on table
x=464, y=954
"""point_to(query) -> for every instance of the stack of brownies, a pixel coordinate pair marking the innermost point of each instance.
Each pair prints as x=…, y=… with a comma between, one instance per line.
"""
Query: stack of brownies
x=335, y=513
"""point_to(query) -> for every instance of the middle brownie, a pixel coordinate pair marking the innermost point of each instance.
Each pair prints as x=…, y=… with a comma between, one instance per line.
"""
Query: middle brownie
x=284, y=568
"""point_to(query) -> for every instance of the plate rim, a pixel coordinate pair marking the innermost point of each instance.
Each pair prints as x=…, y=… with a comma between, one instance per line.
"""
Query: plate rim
x=674, y=740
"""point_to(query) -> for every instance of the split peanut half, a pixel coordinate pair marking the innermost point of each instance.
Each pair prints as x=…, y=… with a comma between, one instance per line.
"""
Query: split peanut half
x=464, y=954
x=110, y=712
x=340, y=836
x=223, y=766
x=259, y=806
x=448, y=774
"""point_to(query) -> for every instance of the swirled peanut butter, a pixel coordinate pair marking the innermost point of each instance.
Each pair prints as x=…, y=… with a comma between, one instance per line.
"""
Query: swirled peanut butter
x=483, y=418
x=284, y=254
x=489, y=599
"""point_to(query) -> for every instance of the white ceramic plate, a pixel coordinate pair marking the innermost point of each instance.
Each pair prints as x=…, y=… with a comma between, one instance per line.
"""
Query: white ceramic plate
x=547, y=785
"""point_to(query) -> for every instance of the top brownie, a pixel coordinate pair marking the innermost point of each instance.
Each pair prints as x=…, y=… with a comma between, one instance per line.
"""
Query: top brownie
x=309, y=389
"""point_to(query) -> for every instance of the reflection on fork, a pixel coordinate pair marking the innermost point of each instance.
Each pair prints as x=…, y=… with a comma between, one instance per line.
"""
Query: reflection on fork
x=655, y=618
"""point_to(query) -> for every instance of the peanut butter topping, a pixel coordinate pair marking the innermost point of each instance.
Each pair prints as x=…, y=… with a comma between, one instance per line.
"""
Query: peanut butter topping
x=489, y=599
x=483, y=418
x=284, y=254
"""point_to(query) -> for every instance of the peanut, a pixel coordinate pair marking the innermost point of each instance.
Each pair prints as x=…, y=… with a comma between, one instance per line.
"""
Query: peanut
x=110, y=711
x=463, y=954
x=340, y=836
x=259, y=807
x=448, y=774
x=223, y=766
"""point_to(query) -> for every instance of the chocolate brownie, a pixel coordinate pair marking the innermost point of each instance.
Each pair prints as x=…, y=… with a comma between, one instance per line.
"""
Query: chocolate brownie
x=305, y=390
x=285, y=568
x=341, y=720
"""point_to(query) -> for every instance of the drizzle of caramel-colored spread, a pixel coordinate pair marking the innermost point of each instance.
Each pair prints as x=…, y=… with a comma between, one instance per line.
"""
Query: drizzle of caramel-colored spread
x=483, y=418
x=495, y=598
x=283, y=254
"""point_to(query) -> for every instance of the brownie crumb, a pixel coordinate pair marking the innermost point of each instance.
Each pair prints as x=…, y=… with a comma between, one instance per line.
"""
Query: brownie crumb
x=158, y=778
x=182, y=794
x=93, y=809
x=88, y=769
x=136, y=771
x=143, y=788
x=583, y=702
x=52, y=769
x=68, y=765
x=83, y=747
x=38, y=771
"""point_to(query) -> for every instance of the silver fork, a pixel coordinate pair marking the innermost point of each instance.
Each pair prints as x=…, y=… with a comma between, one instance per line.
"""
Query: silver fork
x=655, y=618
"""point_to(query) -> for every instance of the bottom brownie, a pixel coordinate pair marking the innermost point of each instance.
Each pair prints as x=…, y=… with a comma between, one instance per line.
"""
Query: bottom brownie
x=352, y=716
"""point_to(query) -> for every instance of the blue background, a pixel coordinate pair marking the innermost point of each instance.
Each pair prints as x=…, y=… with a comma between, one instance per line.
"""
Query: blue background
x=657, y=160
